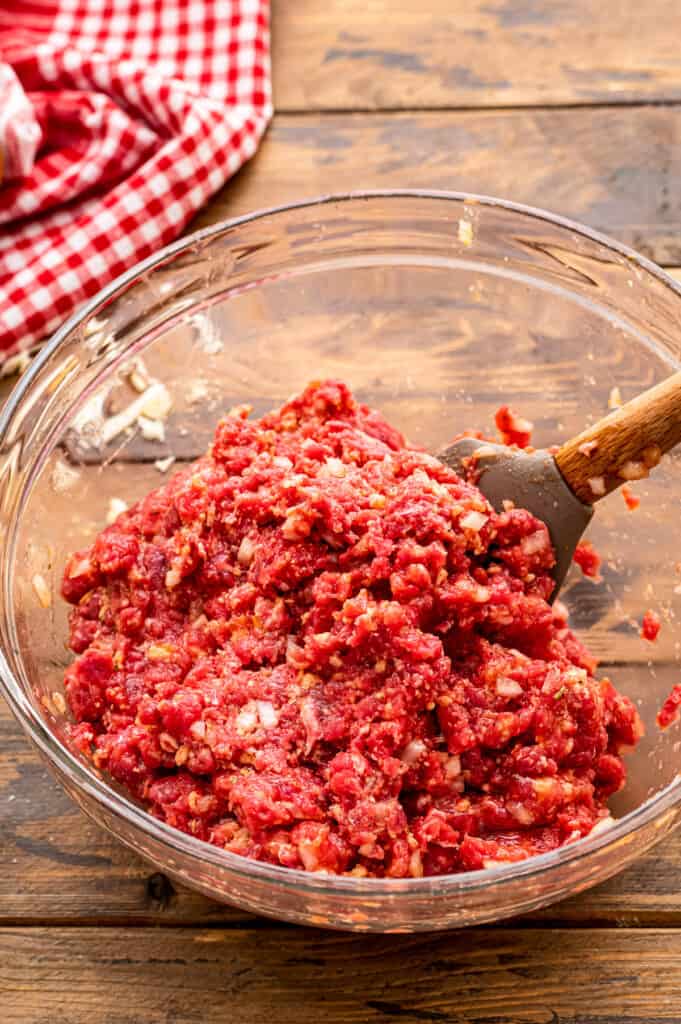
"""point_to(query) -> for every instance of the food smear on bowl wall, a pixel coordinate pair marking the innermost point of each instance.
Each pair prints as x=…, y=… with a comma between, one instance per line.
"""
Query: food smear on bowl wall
x=650, y=626
x=631, y=500
x=316, y=646
x=669, y=712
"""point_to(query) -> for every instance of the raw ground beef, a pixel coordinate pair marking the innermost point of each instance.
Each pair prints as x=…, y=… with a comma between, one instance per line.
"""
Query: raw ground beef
x=588, y=560
x=650, y=626
x=318, y=647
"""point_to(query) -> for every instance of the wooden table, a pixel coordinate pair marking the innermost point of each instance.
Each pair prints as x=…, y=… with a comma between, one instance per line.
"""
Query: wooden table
x=568, y=104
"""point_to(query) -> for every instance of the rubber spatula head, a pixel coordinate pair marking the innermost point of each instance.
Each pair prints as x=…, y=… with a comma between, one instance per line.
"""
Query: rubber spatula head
x=561, y=489
x=532, y=481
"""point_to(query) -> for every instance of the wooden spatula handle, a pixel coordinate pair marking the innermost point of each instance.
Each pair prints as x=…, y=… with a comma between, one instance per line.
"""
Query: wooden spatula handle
x=625, y=445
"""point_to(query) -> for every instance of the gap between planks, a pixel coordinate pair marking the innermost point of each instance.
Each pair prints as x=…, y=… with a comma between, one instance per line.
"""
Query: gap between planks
x=251, y=922
x=511, y=108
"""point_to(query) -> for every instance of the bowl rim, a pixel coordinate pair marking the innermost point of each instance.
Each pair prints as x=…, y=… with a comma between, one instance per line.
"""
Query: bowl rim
x=177, y=842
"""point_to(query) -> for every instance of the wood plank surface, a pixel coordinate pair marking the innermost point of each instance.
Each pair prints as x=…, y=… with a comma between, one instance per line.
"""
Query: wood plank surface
x=299, y=976
x=614, y=169
x=369, y=54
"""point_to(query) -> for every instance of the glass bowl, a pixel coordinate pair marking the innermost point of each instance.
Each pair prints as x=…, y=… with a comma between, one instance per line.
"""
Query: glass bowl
x=435, y=308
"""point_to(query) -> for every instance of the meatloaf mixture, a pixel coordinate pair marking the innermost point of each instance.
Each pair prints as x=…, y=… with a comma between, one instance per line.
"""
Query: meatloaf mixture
x=317, y=646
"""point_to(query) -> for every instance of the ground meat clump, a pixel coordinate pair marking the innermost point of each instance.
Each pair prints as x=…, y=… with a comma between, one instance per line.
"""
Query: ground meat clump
x=318, y=647
x=631, y=500
x=669, y=712
x=514, y=430
x=588, y=560
x=650, y=626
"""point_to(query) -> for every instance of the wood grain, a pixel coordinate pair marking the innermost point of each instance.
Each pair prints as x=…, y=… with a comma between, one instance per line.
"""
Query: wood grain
x=369, y=54
x=296, y=976
x=613, y=169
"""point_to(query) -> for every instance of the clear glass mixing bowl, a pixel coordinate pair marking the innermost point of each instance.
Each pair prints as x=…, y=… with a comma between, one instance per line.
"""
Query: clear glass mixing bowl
x=435, y=308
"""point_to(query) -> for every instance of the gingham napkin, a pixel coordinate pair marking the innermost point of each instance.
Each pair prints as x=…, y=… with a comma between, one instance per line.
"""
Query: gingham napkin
x=118, y=120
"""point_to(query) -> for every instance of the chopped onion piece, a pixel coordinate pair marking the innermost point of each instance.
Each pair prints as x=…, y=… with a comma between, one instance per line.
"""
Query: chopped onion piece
x=506, y=687
x=632, y=470
x=151, y=430
x=413, y=751
x=465, y=232
x=473, y=520
x=597, y=485
x=533, y=543
x=163, y=465
x=267, y=714
x=157, y=401
x=116, y=508
x=246, y=551
x=247, y=719
x=602, y=825
x=520, y=812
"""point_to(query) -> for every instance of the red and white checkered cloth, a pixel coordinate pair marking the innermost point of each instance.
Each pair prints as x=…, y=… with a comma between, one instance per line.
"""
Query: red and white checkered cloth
x=123, y=116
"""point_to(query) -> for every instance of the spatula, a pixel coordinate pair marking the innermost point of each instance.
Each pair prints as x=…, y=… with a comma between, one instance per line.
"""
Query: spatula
x=562, y=488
